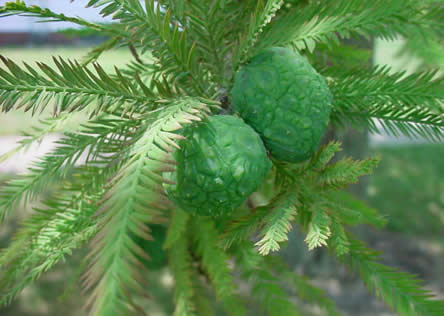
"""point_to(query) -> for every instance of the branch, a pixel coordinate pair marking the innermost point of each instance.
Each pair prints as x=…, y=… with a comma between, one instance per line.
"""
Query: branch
x=153, y=29
x=400, y=290
x=51, y=234
x=136, y=196
x=326, y=21
x=409, y=105
x=72, y=88
x=20, y=8
x=97, y=137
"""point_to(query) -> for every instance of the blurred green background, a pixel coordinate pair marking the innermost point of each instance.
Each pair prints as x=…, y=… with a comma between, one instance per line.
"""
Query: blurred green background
x=408, y=187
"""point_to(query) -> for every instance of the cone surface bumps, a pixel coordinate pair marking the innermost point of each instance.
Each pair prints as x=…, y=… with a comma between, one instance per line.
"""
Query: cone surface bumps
x=220, y=163
x=285, y=100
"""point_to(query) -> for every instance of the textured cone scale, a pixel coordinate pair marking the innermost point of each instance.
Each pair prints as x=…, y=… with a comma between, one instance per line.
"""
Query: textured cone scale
x=220, y=163
x=285, y=100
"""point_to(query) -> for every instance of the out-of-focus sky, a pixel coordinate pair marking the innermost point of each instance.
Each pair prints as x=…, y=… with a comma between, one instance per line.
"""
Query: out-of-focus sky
x=27, y=24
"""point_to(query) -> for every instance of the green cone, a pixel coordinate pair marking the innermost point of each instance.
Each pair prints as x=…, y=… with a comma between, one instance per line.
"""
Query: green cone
x=220, y=163
x=285, y=100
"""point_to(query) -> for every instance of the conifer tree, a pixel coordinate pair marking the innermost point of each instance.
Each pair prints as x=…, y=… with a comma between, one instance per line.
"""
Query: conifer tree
x=136, y=116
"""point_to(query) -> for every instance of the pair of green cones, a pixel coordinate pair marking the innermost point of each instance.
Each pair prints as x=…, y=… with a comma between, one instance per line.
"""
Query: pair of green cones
x=284, y=105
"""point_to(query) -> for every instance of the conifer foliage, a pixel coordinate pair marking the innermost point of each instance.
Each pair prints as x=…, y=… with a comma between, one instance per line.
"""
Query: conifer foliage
x=135, y=120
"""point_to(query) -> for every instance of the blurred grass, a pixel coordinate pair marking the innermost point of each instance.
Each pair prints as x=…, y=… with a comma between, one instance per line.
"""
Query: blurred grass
x=118, y=57
x=408, y=186
x=15, y=121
